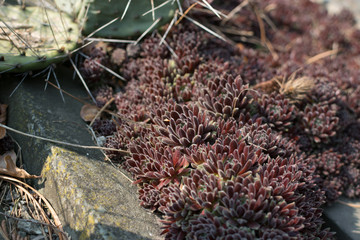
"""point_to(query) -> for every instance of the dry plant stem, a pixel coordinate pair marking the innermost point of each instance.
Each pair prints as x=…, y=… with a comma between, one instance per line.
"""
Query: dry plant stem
x=321, y=56
x=101, y=110
x=274, y=84
x=349, y=204
x=107, y=158
x=64, y=143
x=42, y=212
x=70, y=95
x=263, y=37
x=186, y=12
x=52, y=211
x=37, y=207
x=234, y=11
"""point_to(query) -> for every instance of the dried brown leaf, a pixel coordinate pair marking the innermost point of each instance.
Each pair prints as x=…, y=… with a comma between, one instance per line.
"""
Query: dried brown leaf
x=292, y=88
x=2, y=119
x=8, y=166
x=2, y=132
x=268, y=86
x=297, y=88
x=88, y=112
x=3, y=113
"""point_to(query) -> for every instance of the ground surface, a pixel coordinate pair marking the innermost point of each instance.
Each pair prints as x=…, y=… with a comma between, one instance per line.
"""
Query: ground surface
x=76, y=173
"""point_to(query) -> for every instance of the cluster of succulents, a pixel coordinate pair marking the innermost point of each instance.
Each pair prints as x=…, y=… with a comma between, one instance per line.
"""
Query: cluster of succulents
x=228, y=142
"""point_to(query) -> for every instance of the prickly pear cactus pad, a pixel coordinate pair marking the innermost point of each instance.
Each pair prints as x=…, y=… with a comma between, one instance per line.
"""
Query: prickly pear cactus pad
x=32, y=38
x=134, y=23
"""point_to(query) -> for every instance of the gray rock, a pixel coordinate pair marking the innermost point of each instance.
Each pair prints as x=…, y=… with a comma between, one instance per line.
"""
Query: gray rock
x=93, y=199
x=343, y=217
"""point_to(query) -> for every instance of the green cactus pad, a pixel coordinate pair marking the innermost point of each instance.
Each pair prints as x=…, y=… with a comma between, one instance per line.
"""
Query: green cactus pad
x=34, y=37
x=133, y=24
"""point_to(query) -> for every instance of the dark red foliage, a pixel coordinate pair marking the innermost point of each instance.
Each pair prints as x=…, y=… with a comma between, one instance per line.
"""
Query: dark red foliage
x=319, y=122
x=222, y=160
x=276, y=111
x=104, y=127
x=183, y=125
x=103, y=95
x=90, y=69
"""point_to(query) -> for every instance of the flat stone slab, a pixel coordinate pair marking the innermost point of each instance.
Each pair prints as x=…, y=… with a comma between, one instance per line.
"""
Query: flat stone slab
x=343, y=217
x=93, y=199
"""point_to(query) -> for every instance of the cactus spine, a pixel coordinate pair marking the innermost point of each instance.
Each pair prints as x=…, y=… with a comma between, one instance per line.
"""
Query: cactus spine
x=34, y=37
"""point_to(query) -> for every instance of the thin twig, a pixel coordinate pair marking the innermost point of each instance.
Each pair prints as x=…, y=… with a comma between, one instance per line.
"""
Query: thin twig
x=186, y=12
x=234, y=11
x=70, y=95
x=106, y=157
x=61, y=142
x=263, y=37
x=321, y=56
x=101, y=111
x=349, y=204
x=50, y=208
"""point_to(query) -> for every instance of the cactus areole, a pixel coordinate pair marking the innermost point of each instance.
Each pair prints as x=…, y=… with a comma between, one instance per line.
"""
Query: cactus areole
x=34, y=37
